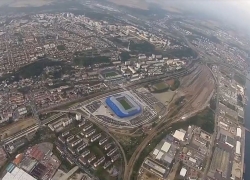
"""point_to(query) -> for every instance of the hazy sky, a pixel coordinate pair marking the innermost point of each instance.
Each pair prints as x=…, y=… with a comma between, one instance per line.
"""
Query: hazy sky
x=235, y=11
x=18, y=3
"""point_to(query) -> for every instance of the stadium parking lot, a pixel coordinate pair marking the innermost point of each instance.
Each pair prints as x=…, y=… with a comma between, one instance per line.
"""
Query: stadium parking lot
x=124, y=109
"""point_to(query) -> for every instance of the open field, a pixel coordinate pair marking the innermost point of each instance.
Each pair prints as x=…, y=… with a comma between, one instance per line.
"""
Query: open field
x=110, y=74
x=16, y=127
x=165, y=97
x=220, y=161
x=128, y=143
x=147, y=176
x=160, y=86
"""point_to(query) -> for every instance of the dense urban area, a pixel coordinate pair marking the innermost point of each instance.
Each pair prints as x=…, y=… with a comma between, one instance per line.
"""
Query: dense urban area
x=97, y=90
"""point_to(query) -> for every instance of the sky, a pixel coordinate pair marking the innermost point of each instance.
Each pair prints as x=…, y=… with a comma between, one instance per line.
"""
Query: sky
x=236, y=12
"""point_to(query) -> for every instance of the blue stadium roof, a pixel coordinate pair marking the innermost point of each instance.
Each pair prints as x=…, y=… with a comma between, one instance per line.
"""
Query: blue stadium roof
x=119, y=110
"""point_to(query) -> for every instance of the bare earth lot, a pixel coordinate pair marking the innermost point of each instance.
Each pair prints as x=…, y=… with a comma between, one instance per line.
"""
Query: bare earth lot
x=16, y=127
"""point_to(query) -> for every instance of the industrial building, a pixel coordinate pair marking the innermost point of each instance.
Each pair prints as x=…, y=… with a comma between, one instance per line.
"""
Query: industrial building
x=164, y=152
x=183, y=172
x=154, y=168
x=179, y=134
x=15, y=173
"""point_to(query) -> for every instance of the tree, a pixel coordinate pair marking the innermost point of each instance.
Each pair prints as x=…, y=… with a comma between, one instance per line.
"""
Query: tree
x=124, y=56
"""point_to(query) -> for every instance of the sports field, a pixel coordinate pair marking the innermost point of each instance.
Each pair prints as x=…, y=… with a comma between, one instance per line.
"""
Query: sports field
x=110, y=74
x=160, y=86
x=125, y=104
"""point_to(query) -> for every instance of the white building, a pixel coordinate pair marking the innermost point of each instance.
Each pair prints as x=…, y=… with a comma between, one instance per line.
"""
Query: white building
x=183, y=172
x=179, y=134
x=165, y=147
x=131, y=69
x=238, y=146
x=238, y=132
x=78, y=117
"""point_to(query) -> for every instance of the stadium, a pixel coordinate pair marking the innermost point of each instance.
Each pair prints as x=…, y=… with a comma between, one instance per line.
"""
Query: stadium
x=110, y=74
x=123, y=105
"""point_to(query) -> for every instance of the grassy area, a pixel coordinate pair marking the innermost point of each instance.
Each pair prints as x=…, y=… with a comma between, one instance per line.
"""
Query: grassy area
x=160, y=86
x=175, y=85
x=61, y=47
x=95, y=149
x=103, y=174
x=88, y=61
x=129, y=144
x=205, y=120
x=110, y=74
x=125, y=104
x=35, y=69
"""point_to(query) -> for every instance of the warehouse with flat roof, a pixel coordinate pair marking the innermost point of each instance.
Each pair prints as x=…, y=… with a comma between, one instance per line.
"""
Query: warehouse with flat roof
x=15, y=173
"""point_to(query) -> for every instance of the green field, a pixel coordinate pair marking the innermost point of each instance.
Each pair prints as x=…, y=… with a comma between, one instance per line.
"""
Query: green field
x=110, y=74
x=125, y=104
x=160, y=86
